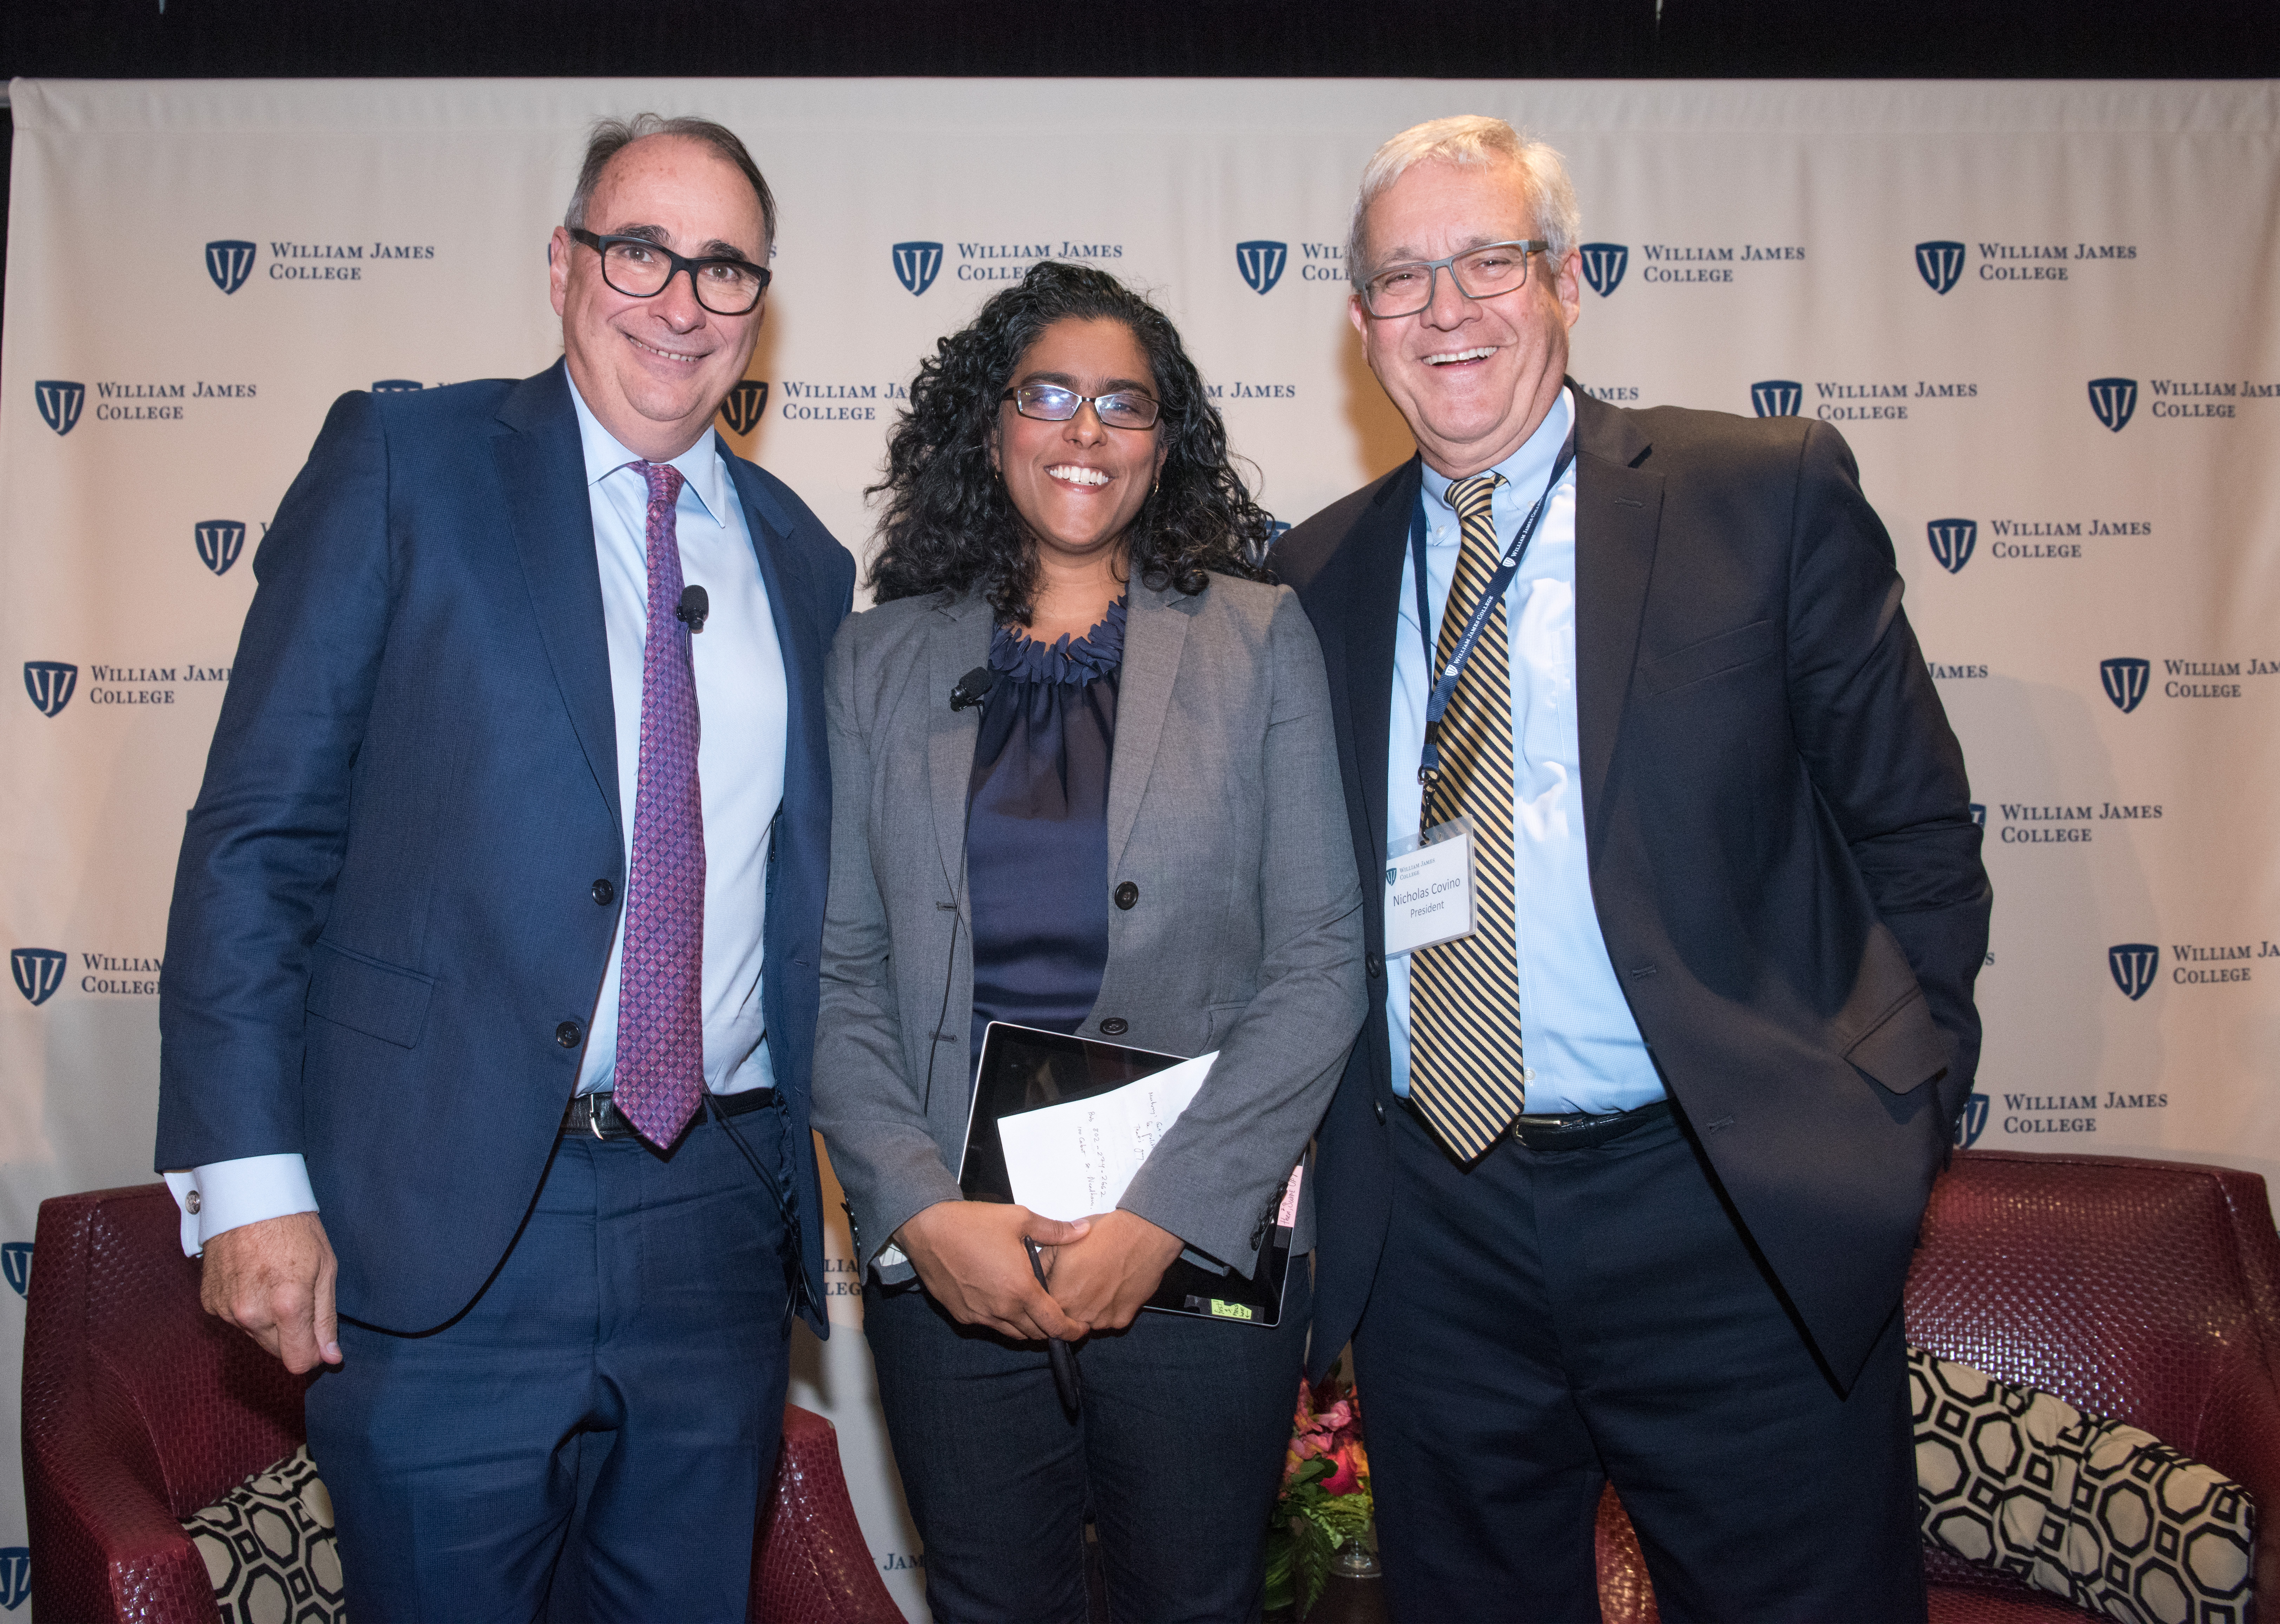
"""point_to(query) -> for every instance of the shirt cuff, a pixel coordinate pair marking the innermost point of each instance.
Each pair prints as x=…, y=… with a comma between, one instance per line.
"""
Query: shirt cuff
x=244, y=1191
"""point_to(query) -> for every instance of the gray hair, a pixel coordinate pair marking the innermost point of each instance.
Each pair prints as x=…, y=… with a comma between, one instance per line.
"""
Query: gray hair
x=610, y=136
x=1470, y=138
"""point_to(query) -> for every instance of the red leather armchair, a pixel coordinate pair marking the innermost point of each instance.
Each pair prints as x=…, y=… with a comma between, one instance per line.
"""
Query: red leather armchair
x=2147, y=1291
x=139, y=1409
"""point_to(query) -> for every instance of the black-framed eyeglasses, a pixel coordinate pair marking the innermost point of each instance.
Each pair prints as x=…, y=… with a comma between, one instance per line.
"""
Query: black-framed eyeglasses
x=641, y=269
x=1480, y=272
x=1048, y=403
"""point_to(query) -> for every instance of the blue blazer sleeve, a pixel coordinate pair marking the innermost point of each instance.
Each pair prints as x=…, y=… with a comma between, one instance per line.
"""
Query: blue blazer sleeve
x=265, y=840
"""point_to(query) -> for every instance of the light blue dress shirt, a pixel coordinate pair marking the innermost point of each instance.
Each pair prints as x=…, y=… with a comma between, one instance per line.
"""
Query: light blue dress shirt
x=740, y=700
x=1583, y=1050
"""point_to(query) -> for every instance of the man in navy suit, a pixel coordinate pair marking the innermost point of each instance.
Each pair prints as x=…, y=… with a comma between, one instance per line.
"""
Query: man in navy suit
x=495, y=937
x=1620, y=1183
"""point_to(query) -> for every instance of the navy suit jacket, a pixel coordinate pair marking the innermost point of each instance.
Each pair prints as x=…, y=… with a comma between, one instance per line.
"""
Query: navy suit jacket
x=1782, y=858
x=385, y=941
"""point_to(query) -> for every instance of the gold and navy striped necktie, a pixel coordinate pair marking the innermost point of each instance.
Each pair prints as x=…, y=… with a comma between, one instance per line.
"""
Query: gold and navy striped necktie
x=1464, y=1074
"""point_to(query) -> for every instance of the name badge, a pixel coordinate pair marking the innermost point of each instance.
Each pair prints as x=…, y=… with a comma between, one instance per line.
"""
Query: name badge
x=1429, y=888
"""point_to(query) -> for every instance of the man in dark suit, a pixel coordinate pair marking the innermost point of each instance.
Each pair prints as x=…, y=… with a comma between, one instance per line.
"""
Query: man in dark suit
x=495, y=937
x=1620, y=1183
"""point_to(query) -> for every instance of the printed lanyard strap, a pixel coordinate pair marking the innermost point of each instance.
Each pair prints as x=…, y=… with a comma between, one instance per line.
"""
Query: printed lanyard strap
x=1428, y=761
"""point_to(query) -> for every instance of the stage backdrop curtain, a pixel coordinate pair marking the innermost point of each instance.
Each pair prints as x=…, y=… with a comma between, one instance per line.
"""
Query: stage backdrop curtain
x=2044, y=315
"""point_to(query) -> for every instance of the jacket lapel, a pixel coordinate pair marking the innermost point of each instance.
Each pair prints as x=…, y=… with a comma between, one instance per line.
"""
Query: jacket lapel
x=1618, y=521
x=543, y=470
x=1375, y=551
x=799, y=636
x=960, y=641
x=1155, y=630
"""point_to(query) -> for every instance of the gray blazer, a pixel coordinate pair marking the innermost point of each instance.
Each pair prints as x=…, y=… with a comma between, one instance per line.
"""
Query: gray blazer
x=1224, y=809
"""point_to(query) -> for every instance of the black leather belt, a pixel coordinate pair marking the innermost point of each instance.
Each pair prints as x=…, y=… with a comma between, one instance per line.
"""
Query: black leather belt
x=1579, y=1130
x=595, y=1115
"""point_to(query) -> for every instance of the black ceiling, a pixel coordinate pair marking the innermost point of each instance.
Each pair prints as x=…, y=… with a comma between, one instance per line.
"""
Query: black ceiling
x=1082, y=38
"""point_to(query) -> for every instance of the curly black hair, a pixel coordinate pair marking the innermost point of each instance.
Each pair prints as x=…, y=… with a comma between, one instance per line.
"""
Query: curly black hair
x=948, y=524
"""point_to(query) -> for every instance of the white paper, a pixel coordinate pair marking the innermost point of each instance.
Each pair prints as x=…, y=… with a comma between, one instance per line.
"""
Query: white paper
x=1429, y=889
x=1076, y=1159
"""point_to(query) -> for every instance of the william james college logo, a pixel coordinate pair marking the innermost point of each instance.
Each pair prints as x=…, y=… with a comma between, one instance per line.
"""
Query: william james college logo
x=59, y=402
x=220, y=541
x=746, y=405
x=2114, y=399
x=39, y=970
x=1951, y=541
x=916, y=265
x=2133, y=966
x=1604, y=265
x=1972, y=1122
x=1940, y=265
x=15, y=1576
x=1261, y=262
x=16, y=1263
x=229, y=262
x=1777, y=397
x=2125, y=680
x=50, y=683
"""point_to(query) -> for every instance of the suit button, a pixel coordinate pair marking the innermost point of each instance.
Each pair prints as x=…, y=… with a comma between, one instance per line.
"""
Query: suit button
x=1115, y=1026
x=1126, y=894
x=1375, y=965
x=604, y=893
x=1378, y=1105
x=568, y=1034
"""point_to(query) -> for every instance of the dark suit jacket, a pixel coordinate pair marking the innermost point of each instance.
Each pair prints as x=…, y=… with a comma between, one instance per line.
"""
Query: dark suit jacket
x=1782, y=853
x=385, y=945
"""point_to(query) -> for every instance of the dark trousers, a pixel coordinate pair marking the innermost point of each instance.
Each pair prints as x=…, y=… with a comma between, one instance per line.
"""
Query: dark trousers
x=1177, y=1455
x=644, y=1300
x=1545, y=1323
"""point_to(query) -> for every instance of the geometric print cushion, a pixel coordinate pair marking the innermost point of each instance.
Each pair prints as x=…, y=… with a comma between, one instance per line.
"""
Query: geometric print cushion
x=268, y=1546
x=2105, y=1516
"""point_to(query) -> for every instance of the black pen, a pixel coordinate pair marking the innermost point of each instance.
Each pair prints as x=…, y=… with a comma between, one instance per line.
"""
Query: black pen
x=1063, y=1358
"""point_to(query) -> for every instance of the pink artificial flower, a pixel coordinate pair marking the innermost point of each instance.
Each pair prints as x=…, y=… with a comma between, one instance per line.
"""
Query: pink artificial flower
x=1346, y=1480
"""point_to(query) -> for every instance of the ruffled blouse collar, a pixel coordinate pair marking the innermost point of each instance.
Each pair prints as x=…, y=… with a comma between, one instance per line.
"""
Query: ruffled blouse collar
x=1072, y=659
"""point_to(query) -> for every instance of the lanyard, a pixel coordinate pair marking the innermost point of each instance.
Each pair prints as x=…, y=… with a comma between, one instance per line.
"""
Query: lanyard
x=1428, y=762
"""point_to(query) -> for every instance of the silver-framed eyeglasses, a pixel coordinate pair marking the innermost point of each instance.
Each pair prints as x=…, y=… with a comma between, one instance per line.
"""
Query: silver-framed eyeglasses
x=641, y=269
x=1482, y=273
x=1048, y=403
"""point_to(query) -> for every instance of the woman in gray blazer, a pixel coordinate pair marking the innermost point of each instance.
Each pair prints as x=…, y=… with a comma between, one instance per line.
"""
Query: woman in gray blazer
x=1137, y=836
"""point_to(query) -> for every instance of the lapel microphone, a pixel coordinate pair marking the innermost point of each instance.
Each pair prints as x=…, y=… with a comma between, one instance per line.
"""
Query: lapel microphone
x=694, y=607
x=972, y=687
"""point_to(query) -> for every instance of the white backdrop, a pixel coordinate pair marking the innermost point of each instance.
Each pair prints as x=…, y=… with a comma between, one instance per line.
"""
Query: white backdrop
x=2044, y=316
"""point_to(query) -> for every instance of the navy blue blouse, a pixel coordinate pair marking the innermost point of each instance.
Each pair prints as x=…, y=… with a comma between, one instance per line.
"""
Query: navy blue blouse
x=1036, y=845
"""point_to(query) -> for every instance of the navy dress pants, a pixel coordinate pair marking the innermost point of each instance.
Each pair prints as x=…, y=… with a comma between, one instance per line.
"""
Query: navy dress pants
x=1545, y=1323
x=645, y=1301
x=1177, y=1454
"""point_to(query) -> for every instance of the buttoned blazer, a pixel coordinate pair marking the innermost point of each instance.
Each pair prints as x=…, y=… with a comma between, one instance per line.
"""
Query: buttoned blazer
x=1224, y=812
x=399, y=888
x=1782, y=854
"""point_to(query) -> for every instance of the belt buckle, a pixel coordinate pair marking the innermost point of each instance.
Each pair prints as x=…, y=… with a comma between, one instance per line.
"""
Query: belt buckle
x=594, y=1115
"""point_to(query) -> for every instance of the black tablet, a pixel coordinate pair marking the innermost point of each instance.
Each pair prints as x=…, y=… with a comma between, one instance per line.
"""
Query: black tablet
x=1026, y=1068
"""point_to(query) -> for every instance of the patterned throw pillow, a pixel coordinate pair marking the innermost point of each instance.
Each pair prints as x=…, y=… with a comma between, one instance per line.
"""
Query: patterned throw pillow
x=2104, y=1515
x=268, y=1546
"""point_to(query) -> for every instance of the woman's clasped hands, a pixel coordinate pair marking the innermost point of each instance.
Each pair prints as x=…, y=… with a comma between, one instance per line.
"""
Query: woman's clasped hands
x=1102, y=1270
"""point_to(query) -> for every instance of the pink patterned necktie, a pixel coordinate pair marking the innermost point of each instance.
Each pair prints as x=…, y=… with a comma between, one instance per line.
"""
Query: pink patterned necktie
x=660, y=1070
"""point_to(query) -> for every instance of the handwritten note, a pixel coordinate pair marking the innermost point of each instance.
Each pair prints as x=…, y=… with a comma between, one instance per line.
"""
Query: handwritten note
x=1075, y=1159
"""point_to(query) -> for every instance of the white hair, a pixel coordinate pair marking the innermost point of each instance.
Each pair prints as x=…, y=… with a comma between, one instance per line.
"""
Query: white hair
x=1471, y=138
